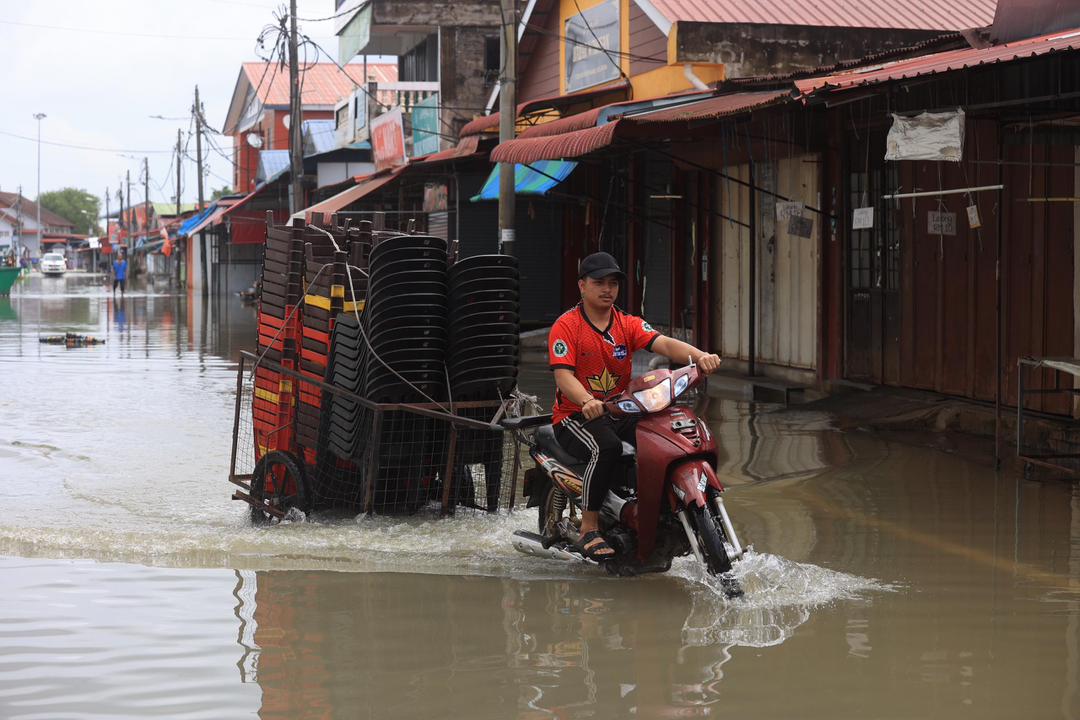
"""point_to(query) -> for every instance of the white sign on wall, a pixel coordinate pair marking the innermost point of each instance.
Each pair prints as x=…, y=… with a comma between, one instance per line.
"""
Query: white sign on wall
x=862, y=218
x=941, y=223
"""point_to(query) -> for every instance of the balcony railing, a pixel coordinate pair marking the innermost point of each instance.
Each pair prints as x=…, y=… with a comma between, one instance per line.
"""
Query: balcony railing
x=403, y=94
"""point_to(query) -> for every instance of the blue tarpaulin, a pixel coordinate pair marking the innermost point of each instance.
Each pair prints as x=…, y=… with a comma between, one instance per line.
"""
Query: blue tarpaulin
x=533, y=179
x=195, y=220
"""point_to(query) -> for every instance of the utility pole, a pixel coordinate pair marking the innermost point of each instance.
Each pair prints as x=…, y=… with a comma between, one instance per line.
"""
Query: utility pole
x=199, y=171
x=198, y=145
x=178, y=151
x=146, y=190
x=176, y=250
x=41, y=235
x=17, y=245
x=108, y=239
x=130, y=219
x=507, y=122
x=296, y=145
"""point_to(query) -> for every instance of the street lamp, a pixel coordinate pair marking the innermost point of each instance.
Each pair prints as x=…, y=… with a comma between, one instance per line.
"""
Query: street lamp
x=41, y=236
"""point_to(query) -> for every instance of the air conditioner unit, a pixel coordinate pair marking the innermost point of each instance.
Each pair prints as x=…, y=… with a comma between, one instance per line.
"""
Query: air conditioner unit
x=350, y=118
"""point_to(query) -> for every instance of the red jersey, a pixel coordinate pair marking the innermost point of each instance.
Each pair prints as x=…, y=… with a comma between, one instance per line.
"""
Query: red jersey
x=601, y=359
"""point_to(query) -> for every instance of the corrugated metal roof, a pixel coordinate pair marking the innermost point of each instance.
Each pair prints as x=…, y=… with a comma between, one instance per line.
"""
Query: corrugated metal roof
x=28, y=209
x=467, y=147
x=943, y=62
x=319, y=137
x=713, y=108
x=321, y=83
x=557, y=147
x=891, y=14
x=272, y=163
x=490, y=122
x=580, y=136
x=364, y=186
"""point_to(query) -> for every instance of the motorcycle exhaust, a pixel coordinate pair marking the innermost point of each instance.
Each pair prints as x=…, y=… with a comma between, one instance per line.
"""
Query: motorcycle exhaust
x=532, y=544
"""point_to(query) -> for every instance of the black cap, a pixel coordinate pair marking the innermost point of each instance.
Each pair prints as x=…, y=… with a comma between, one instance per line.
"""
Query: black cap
x=599, y=265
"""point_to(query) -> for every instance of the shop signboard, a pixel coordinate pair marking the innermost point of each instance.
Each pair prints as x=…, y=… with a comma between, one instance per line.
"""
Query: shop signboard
x=388, y=140
x=588, y=36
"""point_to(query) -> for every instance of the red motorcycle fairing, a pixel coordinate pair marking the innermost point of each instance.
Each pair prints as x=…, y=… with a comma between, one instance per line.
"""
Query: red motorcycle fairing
x=687, y=485
x=659, y=446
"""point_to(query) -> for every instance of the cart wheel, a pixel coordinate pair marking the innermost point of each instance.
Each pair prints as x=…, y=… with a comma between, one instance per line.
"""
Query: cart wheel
x=287, y=487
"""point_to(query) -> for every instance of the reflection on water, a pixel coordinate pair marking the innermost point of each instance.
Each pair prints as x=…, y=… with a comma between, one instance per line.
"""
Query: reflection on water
x=885, y=580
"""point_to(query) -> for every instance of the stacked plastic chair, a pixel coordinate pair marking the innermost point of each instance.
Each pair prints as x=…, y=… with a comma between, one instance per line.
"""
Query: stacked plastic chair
x=482, y=363
x=406, y=320
x=484, y=332
x=274, y=403
x=334, y=284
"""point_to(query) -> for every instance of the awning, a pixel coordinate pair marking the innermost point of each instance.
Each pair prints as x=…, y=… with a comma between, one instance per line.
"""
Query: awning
x=196, y=220
x=534, y=179
x=557, y=147
x=210, y=220
x=364, y=186
x=711, y=108
x=490, y=122
x=539, y=143
x=150, y=246
x=947, y=61
x=468, y=147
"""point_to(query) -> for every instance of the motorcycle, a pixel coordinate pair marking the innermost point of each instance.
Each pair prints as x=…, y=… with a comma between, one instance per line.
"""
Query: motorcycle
x=669, y=503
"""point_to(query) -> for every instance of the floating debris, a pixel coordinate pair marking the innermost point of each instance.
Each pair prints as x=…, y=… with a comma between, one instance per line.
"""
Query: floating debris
x=71, y=340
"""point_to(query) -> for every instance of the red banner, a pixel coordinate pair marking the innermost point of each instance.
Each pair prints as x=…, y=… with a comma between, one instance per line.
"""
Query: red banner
x=388, y=140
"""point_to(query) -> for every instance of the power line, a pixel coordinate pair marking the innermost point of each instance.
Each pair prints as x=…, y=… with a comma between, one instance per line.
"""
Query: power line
x=82, y=147
x=354, y=8
x=120, y=33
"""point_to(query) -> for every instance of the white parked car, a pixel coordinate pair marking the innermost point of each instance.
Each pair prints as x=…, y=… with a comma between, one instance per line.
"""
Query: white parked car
x=53, y=264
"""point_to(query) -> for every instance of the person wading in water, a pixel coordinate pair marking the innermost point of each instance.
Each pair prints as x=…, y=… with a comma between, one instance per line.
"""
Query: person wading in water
x=590, y=351
x=119, y=267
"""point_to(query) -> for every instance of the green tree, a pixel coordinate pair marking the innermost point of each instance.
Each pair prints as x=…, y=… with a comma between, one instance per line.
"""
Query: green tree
x=220, y=193
x=76, y=205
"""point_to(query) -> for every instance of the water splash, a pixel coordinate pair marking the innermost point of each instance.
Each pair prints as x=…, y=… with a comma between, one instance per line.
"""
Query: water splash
x=779, y=597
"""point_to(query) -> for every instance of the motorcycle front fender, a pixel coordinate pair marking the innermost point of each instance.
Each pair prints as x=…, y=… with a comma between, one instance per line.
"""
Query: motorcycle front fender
x=688, y=483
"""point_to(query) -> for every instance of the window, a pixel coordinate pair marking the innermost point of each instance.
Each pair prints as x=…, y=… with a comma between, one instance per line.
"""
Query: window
x=341, y=118
x=492, y=55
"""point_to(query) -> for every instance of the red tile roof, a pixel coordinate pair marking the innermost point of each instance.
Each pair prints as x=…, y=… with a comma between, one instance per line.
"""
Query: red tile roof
x=321, y=83
x=943, y=62
x=892, y=14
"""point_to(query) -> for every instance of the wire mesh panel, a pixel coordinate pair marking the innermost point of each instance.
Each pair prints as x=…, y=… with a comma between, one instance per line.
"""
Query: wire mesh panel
x=374, y=386
x=379, y=458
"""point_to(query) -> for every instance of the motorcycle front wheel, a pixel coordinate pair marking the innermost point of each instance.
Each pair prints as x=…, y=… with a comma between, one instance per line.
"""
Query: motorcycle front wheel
x=710, y=537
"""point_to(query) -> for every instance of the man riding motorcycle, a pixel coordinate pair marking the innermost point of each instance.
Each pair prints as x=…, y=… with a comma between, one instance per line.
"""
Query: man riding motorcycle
x=590, y=352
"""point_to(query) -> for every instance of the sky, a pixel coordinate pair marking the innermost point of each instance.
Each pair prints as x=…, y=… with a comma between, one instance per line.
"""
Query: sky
x=99, y=69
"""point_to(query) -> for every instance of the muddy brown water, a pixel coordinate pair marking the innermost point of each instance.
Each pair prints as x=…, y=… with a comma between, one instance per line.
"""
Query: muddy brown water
x=887, y=580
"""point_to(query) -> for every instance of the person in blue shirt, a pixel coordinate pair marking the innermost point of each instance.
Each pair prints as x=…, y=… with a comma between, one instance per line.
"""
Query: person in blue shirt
x=119, y=267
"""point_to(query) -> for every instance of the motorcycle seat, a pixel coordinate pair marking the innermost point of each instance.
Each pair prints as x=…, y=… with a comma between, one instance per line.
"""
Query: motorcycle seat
x=545, y=438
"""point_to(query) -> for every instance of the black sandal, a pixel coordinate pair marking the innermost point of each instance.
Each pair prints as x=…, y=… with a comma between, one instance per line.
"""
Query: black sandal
x=595, y=552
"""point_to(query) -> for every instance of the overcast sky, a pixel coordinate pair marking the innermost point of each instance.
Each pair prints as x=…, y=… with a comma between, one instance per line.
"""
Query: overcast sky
x=100, y=68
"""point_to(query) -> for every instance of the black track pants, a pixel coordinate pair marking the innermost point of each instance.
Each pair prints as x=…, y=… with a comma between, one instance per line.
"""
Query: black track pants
x=599, y=442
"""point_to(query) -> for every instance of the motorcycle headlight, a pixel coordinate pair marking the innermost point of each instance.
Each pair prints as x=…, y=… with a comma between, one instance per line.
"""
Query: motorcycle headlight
x=629, y=406
x=681, y=384
x=655, y=398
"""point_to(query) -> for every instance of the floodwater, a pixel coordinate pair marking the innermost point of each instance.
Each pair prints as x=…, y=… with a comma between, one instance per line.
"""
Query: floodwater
x=886, y=581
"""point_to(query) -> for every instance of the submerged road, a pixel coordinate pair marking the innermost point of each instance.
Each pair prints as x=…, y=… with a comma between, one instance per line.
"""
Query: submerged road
x=887, y=580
